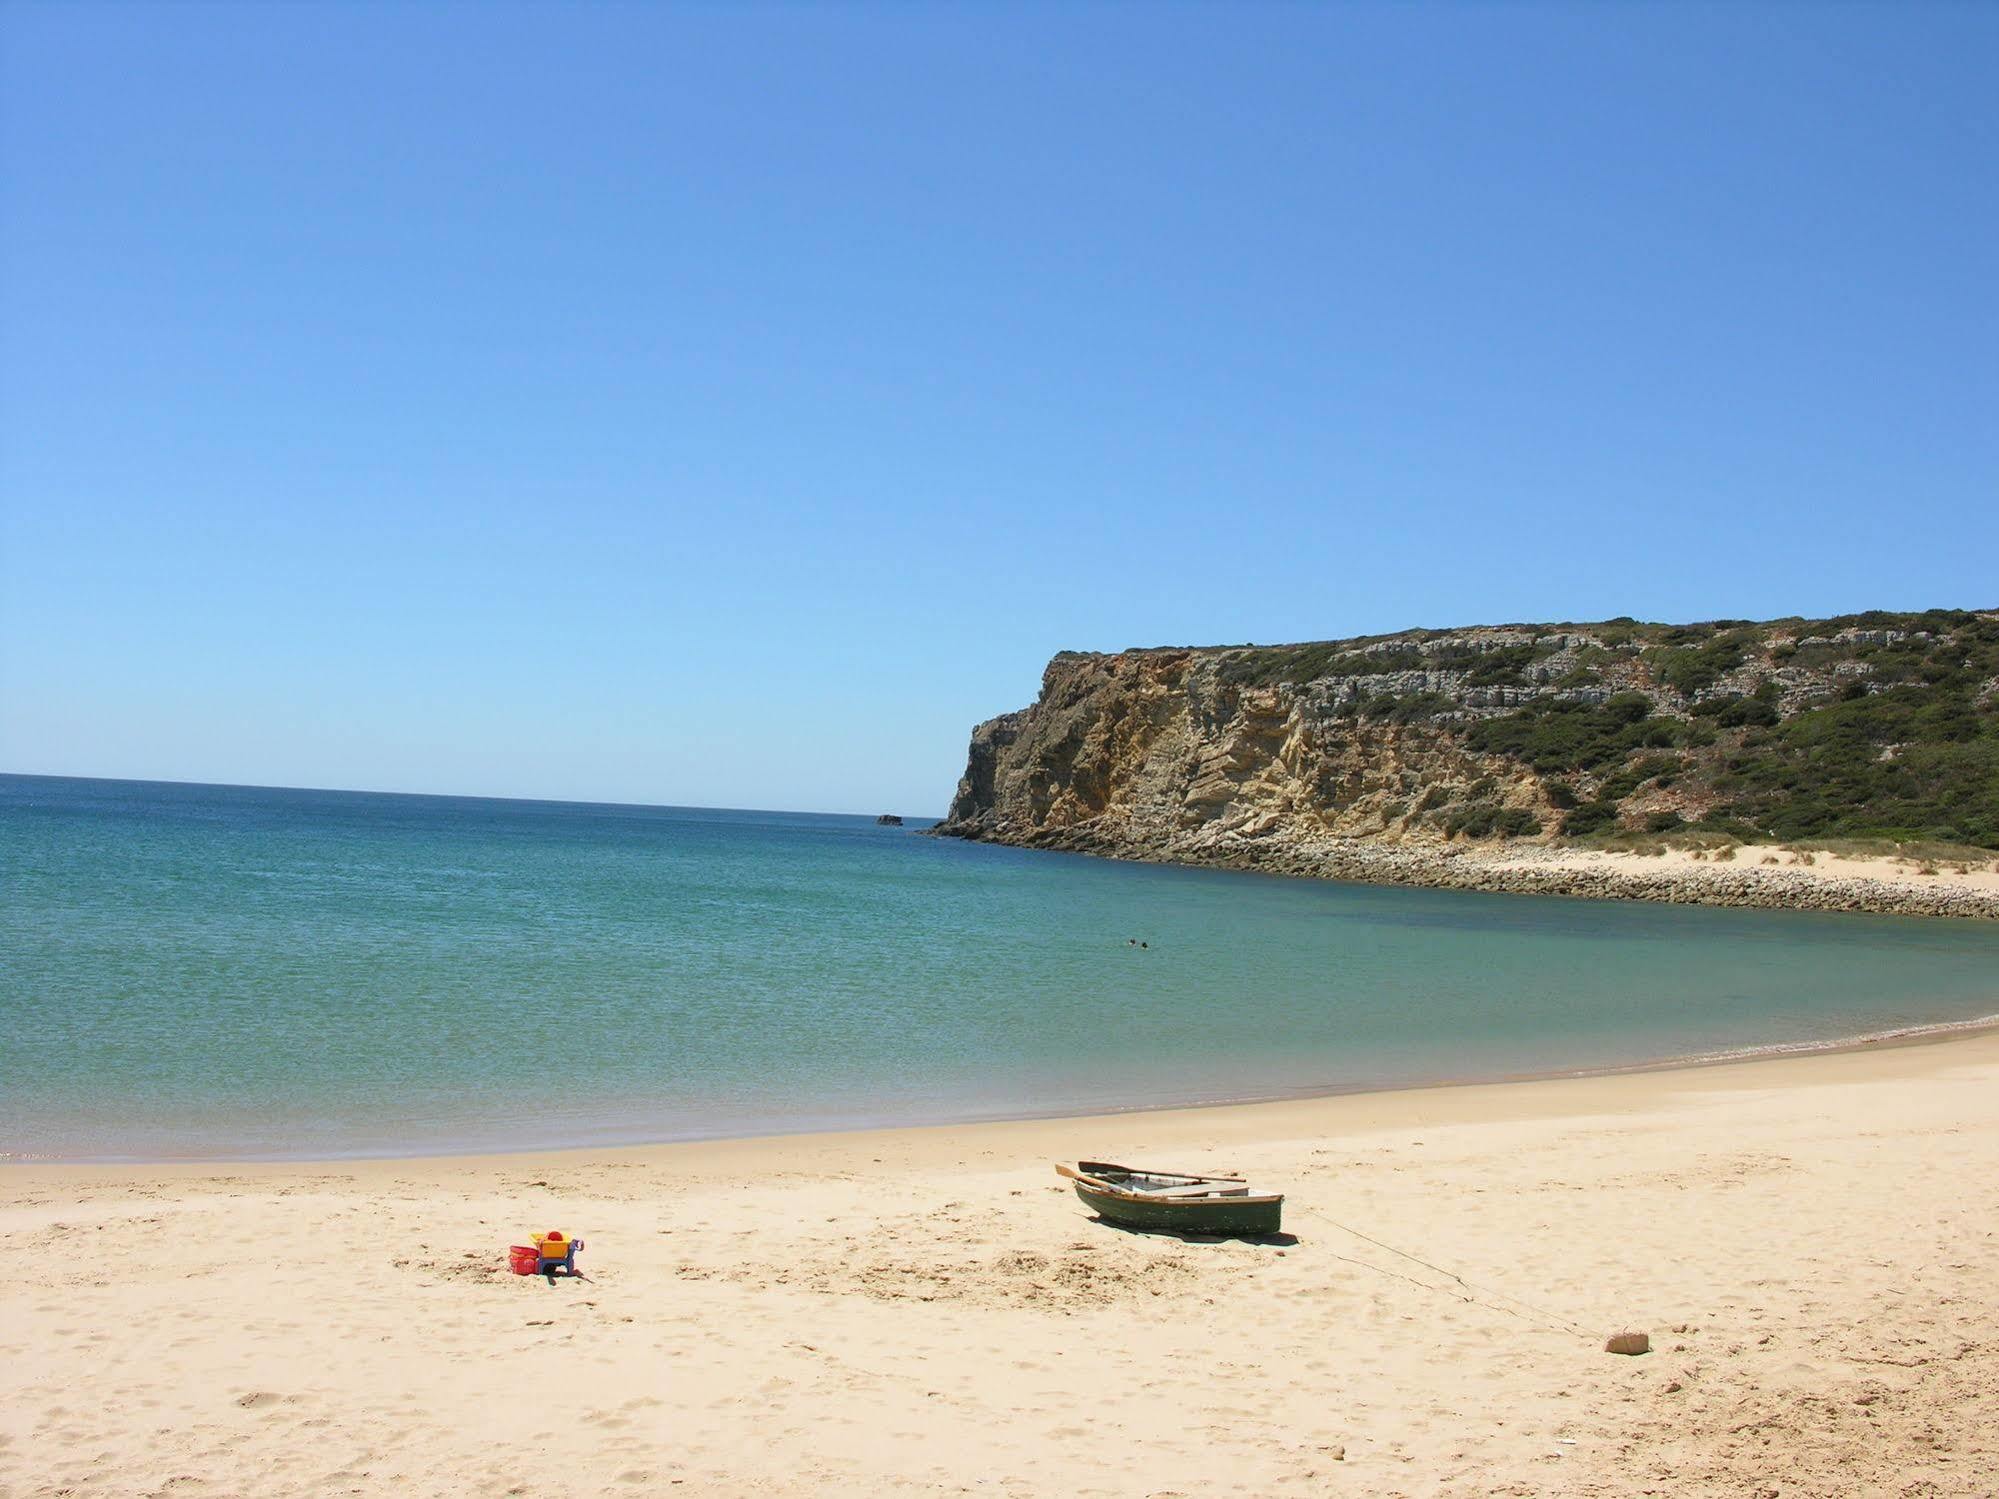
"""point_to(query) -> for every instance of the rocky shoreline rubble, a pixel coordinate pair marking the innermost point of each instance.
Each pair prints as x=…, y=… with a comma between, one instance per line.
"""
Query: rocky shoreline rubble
x=1523, y=867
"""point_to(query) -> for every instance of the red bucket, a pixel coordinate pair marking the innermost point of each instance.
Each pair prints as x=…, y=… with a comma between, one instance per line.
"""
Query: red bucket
x=523, y=1259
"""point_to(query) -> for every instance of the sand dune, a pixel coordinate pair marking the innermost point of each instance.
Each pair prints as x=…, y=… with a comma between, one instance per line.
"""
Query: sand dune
x=1813, y=1244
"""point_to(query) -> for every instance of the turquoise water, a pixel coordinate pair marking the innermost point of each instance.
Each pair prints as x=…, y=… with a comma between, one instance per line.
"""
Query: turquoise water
x=208, y=971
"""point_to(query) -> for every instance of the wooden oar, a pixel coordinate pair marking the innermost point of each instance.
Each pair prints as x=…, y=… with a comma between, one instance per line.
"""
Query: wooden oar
x=1076, y=1176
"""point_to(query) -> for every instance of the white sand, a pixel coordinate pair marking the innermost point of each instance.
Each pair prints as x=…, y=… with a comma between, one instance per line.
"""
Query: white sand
x=1812, y=1242
x=1889, y=873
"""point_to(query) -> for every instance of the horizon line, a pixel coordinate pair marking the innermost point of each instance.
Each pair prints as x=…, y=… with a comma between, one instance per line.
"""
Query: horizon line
x=461, y=796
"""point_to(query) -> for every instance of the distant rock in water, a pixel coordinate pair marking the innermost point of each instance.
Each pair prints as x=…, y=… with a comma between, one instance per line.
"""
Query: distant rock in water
x=888, y=820
x=1442, y=742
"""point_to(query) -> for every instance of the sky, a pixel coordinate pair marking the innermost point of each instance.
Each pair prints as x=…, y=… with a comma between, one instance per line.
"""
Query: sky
x=731, y=405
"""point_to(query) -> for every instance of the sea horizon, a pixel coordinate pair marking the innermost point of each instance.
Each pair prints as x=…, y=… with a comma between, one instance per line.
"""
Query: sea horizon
x=458, y=796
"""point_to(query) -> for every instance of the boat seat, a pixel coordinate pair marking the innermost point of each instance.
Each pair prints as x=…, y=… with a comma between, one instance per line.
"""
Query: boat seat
x=1197, y=1189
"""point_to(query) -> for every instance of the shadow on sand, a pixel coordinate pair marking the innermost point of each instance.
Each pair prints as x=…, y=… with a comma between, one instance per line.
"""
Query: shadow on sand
x=1275, y=1241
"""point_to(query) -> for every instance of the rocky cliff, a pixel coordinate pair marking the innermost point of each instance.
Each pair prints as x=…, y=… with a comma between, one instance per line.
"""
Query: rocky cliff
x=1327, y=757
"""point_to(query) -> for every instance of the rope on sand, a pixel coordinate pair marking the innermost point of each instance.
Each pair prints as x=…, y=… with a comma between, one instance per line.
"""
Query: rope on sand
x=1552, y=1319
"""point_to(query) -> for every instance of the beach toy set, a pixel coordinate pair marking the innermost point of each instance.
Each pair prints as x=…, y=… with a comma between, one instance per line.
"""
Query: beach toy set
x=551, y=1254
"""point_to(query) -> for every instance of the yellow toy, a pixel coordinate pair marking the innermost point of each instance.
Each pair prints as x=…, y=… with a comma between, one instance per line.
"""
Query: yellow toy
x=557, y=1251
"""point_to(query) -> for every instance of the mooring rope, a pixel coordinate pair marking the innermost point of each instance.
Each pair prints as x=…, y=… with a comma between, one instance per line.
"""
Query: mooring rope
x=1553, y=1319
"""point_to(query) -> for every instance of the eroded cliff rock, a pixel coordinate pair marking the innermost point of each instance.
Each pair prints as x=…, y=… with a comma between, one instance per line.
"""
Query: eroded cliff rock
x=1156, y=751
x=1387, y=756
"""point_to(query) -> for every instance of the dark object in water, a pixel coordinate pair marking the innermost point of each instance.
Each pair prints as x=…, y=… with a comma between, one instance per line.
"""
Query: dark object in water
x=1175, y=1202
x=888, y=820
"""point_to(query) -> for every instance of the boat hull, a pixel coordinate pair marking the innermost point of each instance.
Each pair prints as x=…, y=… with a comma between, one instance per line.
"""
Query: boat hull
x=1242, y=1217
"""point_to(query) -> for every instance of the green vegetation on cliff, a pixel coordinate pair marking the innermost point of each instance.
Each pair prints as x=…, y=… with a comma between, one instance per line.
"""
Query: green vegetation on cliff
x=1908, y=762
x=1867, y=726
x=1877, y=725
x=1553, y=735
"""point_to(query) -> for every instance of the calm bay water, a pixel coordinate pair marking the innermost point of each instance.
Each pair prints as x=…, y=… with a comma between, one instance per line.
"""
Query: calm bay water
x=203, y=970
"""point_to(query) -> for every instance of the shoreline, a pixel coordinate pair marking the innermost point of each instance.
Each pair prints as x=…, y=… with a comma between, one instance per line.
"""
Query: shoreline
x=1806, y=1239
x=1780, y=878
x=1894, y=1037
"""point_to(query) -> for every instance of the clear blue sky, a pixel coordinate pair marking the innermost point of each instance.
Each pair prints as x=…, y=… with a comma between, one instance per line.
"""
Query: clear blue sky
x=730, y=405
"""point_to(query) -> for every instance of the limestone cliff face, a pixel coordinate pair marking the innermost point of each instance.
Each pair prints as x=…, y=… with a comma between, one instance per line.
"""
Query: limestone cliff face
x=1157, y=753
x=1870, y=725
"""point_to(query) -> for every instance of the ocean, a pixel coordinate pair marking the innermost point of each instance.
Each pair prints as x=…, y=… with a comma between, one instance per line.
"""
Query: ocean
x=233, y=972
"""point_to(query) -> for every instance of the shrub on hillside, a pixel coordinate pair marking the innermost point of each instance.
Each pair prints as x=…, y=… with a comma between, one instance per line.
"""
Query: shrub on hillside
x=1417, y=707
x=1484, y=820
x=1591, y=817
x=1737, y=711
x=1556, y=736
x=1691, y=669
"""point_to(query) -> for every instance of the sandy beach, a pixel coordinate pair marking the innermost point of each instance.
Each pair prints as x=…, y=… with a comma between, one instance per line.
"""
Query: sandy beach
x=1963, y=883
x=1811, y=1242
x=1770, y=875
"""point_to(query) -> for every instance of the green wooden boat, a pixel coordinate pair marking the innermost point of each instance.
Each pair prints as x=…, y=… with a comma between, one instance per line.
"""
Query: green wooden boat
x=1175, y=1202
